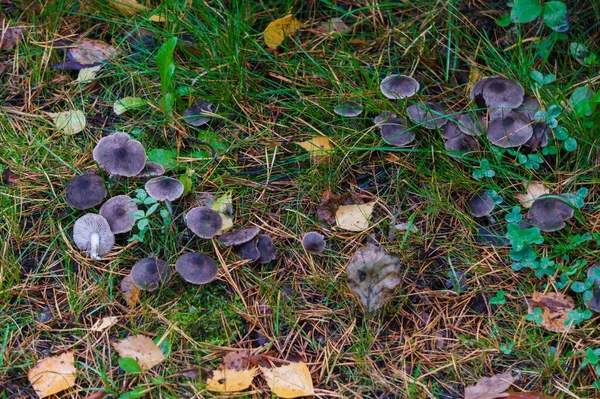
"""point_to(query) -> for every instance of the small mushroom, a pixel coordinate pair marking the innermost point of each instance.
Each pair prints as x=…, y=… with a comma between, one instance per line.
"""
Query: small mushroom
x=151, y=169
x=529, y=107
x=430, y=115
x=469, y=124
x=540, y=136
x=266, y=248
x=450, y=131
x=349, y=109
x=594, y=302
x=120, y=155
x=147, y=274
x=399, y=86
x=163, y=188
x=118, y=213
x=196, y=114
x=481, y=205
x=509, y=129
x=549, y=213
x=462, y=143
x=497, y=92
x=249, y=250
x=594, y=272
x=204, y=222
x=238, y=237
x=394, y=131
x=196, y=268
x=86, y=191
x=92, y=234
x=313, y=242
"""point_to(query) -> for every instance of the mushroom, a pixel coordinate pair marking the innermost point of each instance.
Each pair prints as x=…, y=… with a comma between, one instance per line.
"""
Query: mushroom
x=86, y=191
x=430, y=115
x=594, y=272
x=204, y=222
x=163, y=188
x=461, y=143
x=249, y=250
x=481, y=205
x=469, y=124
x=540, y=136
x=549, y=212
x=450, y=131
x=147, y=274
x=349, y=109
x=196, y=114
x=118, y=213
x=529, y=107
x=594, y=302
x=497, y=92
x=266, y=248
x=151, y=169
x=120, y=155
x=399, y=86
x=509, y=129
x=313, y=242
x=394, y=131
x=196, y=268
x=239, y=236
x=92, y=234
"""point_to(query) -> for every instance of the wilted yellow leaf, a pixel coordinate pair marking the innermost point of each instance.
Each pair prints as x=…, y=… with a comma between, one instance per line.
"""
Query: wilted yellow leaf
x=127, y=7
x=130, y=291
x=534, y=190
x=317, y=146
x=354, y=217
x=233, y=375
x=87, y=74
x=142, y=349
x=277, y=30
x=224, y=205
x=69, y=122
x=53, y=374
x=289, y=381
x=104, y=323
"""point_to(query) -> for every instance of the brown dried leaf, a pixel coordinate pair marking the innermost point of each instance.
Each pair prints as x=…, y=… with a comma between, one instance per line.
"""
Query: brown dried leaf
x=104, y=323
x=334, y=26
x=90, y=51
x=555, y=308
x=130, y=291
x=490, y=387
x=233, y=375
x=534, y=190
x=329, y=205
x=318, y=147
x=290, y=380
x=9, y=38
x=142, y=349
x=53, y=374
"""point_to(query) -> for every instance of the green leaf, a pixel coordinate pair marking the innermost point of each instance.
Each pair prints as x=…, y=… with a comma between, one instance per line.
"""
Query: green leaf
x=538, y=77
x=570, y=144
x=514, y=216
x=136, y=393
x=553, y=112
x=151, y=210
x=130, y=365
x=525, y=11
x=141, y=194
x=503, y=21
x=579, y=287
x=555, y=16
x=138, y=214
x=164, y=157
x=187, y=183
x=142, y=223
x=561, y=133
x=165, y=347
x=166, y=65
x=149, y=201
x=499, y=299
x=125, y=104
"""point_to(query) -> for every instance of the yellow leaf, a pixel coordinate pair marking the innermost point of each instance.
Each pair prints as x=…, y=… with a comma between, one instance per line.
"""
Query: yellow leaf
x=534, y=190
x=317, y=147
x=277, y=30
x=354, y=217
x=289, y=381
x=69, y=122
x=130, y=291
x=104, y=323
x=142, y=349
x=127, y=7
x=53, y=374
x=87, y=74
x=233, y=375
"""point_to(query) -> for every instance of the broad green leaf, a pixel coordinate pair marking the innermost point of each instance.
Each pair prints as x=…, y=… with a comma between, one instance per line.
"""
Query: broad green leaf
x=125, y=104
x=570, y=144
x=152, y=209
x=187, y=183
x=166, y=65
x=164, y=157
x=503, y=21
x=555, y=16
x=525, y=11
x=129, y=365
x=142, y=223
x=136, y=393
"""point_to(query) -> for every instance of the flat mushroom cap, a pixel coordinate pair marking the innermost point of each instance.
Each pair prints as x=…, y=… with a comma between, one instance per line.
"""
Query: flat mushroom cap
x=92, y=227
x=164, y=188
x=151, y=169
x=239, y=236
x=204, y=222
x=450, y=131
x=511, y=129
x=117, y=211
x=395, y=132
x=120, y=155
x=147, y=274
x=196, y=114
x=481, y=205
x=266, y=248
x=549, y=213
x=196, y=268
x=469, y=124
x=348, y=109
x=313, y=242
x=86, y=191
x=462, y=143
x=430, y=115
x=249, y=250
x=399, y=86
x=497, y=92
x=529, y=107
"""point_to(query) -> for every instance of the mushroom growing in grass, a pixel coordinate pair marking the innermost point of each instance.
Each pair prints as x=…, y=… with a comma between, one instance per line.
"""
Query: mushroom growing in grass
x=594, y=302
x=147, y=274
x=540, y=137
x=461, y=143
x=249, y=250
x=497, y=92
x=529, y=107
x=239, y=236
x=204, y=222
x=549, y=212
x=196, y=115
x=394, y=131
x=118, y=213
x=86, y=191
x=196, y=268
x=120, y=155
x=430, y=115
x=151, y=169
x=266, y=248
x=481, y=205
x=396, y=87
x=165, y=189
x=313, y=242
x=469, y=124
x=349, y=109
x=92, y=234
x=594, y=272
x=509, y=129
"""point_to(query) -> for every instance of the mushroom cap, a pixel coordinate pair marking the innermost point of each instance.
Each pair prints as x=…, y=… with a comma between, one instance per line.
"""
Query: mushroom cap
x=313, y=242
x=90, y=224
x=395, y=132
x=591, y=273
x=529, y=107
x=450, y=130
x=117, y=211
x=151, y=169
x=549, y=213
x=430, y=115
x=540, y=136
x=249, y=250
x=120, y=155
x=348, y=109
x=86, y=191
x=594, y=302
x=164, y=188
x=497, y=92
x=509, y=129
x=489, y=236
x=469, y=124
x=481, y=205
x=204, y=222
x=399, y=86
x=147, y=274
x=462, y=143
x=239, y=236
x=196, y=268
x=266, y=248
x=196, y=114
x=384, y=116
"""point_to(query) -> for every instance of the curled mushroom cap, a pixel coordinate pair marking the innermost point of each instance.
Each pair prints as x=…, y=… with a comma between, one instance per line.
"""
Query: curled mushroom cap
x=196, y=268
x=151, y=169
x=163, y=188
x=92, y=234
x=348, y=109
x=430, y=115
x=398, y=86
x=497, y=92
x=120, y=155
x=450, y=131
x=118, y=213
x=549, y=213
x=313, y=242
x=266, y=248
x=394, y=131
x=196, y=114
x=204, y=222
x=84, y=192
x=461, y=143
x=147, y=274
x=509, y=129
x=239, y=236
x=481, y=205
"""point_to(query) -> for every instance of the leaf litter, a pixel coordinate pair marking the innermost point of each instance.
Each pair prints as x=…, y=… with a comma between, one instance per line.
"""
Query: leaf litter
x=53, y=374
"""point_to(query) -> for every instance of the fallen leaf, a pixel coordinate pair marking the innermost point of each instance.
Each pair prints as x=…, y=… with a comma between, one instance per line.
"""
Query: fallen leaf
x=334, y=26
x=158, y=18
x=329, y=205
x=53, y=374
x=142, y=349
x=277, y=30
x=125, y=104
x=490, y=387
x=534, y=190
x=87, y=74
x=474, y=77
x=130, y=291
x=224, y=206
x=317, y=147
x=555, y=308
x=233, y=375
x=69, y=122
x=354, y=217
x=104, y=323
x=290, y=380
x=86, y=53
x=127, y=7
x=9, y=38
x=372, y=275
x=528, y=395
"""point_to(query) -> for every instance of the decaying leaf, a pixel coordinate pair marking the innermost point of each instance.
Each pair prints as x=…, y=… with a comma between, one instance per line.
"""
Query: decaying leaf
x=53, y=374
x=534, y=190
x=277, y=30
x=87, y=74
x=528, y=395
x=317, y=147
x=125, y=104
x=104, y=323
x=233, y=375
x=490, y=387
x=9, y=38
x=224, y=205
x=555, y=308
x=130, y=291
x=329, y=205
x=334, y=26
x=290, y=380
x=127, y=7
x=354, y=217
x=142, y=349
x=372, y=275
x=69, y=122
x=86, y=53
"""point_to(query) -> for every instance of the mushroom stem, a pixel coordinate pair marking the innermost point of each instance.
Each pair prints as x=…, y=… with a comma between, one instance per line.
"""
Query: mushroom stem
x=95, y=243
x=169, y=206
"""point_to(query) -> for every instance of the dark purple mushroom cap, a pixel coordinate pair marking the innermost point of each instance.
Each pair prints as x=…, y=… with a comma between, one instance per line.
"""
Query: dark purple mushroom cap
x=549, y=213
x=509, y=129
x=204, y=222
x=196, y=268
x=529, y=107
x=469, y=124
x=592, y=271
x=147, y=274
x=399, y=86
x=497, y=92
x=462, y=143
x=266, y=248
x=120, y=155
x=196, y=114
x=91, y=233
x=117, y=211
x=151, y=169
x=481, y=205
x=540, y=136
x=313, y=242
x=349, y=109
x=163, y=188
x=394, y=131
x=239, y=236
x=430, y=115
x=249, y=250
x=450, y=131
x=86, y=191
x=594, y=302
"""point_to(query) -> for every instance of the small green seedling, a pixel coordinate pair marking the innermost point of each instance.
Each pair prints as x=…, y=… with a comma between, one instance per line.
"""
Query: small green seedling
x=484, y=170
x=499, y=299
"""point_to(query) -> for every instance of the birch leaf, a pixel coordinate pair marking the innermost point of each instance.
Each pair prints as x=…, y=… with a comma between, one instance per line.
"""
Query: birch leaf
x=125, y=104
x=354, y=217
x=142, y=349
x=490, y=387
x=53, y=374
x=233, y=375
x=534, y=190
x=277, y=30
x=87, y=74
x=291, y=380
x=69, y=122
